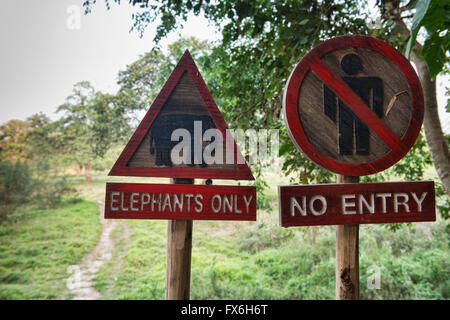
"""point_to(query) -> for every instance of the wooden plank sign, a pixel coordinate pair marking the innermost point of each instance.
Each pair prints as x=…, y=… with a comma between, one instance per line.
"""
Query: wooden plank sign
x=178, y=201
x=357, y=203
x=354, y=105
x=185, y=104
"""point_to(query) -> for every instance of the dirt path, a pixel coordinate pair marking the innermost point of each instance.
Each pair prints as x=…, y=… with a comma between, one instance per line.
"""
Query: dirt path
x=81, y=281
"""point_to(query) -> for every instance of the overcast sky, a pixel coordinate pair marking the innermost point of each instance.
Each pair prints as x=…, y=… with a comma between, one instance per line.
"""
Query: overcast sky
x=44, y=51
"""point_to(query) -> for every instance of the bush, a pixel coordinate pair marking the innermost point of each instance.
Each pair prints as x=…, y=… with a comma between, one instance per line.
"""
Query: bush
x=263, y=236
x=20, y=185
x=51, y=191
x=16, y=185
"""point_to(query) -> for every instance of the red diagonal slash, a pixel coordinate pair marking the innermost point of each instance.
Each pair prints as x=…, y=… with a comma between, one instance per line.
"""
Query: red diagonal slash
x=358, y=107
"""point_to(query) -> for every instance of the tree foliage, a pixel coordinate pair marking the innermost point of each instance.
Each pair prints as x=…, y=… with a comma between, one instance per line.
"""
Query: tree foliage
x=262, y=41
x=15, y=186
x=142, y=80
x=33, y=140
x=245, y=70
x=91, y=122
x=12, y=139
x=434, y=16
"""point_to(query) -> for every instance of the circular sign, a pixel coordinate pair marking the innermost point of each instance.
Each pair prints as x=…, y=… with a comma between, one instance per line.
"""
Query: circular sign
x=354, y=105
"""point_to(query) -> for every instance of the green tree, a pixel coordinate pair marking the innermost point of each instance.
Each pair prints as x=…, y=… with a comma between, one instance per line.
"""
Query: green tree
x=28, y=165
x=15, y=186
x=42, y=143
x=90, y=124
x=29, y=140
x=12, y=135
x=430, y=58
x=261, y=42
x=139, y=83
x=142, y=80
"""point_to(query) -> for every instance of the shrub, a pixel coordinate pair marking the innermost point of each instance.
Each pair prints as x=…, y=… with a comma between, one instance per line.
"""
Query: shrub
x=16, y=184
x=49, y=192
x=263, y=236
x=20, y=185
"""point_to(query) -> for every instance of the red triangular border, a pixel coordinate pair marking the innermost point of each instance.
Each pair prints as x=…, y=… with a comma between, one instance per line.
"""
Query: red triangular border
x=120, y=168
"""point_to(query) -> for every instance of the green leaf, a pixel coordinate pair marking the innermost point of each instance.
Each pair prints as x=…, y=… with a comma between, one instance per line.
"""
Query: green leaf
x=434, y=52
x=285, y=148
x=303, y=22
x=421, y=10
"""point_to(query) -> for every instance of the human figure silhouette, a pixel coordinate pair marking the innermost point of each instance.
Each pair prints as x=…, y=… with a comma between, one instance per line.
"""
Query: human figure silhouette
x=370, y=90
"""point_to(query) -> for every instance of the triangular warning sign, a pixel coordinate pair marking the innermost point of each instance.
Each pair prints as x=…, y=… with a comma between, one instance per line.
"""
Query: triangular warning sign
x=183, y=103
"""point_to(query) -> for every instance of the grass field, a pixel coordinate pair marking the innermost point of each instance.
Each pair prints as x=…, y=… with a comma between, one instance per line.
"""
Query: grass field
x=230, y=260
x=260, y=260
x=263, y=261
x=38, y=246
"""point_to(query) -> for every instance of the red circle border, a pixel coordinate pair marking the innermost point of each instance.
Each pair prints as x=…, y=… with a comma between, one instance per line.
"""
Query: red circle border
x=291, y=98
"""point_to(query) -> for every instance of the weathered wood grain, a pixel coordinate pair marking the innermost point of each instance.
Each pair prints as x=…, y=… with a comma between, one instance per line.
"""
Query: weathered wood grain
x=312, y=128
x=180, y=202
x=347, y=256
x=377, y=201
x=179, y=251
x=184, y=100
x=185, y=92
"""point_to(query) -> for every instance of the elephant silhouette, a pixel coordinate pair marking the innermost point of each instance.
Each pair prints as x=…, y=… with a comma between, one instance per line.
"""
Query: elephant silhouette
x=161, y=133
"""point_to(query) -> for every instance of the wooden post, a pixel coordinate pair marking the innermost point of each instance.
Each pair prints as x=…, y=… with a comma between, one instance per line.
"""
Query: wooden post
x=179, y=248
x=347, y=255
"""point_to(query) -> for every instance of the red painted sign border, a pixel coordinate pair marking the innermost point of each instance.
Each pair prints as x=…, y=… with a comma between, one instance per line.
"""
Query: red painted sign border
x=312, y=61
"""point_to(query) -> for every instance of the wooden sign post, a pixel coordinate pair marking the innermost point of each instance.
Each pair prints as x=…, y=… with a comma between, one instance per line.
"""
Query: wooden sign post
x=354, y=105
x=347, y=255
x=179, y=251
x=186, y=106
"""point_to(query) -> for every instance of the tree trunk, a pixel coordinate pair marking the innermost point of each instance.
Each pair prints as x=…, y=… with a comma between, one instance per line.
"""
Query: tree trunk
x=432, y=125
x=87, y=172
